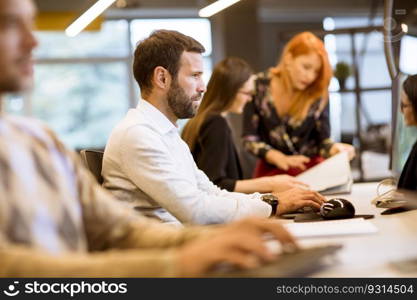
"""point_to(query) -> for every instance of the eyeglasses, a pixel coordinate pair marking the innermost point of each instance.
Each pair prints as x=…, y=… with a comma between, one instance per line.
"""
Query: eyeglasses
x=250, y=94
x=404, y=105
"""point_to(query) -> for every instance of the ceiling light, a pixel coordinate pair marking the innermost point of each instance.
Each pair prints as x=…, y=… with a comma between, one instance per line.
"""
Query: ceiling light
x=329, y=24
x=86, y=18
x=215, y=7
x=121, y=3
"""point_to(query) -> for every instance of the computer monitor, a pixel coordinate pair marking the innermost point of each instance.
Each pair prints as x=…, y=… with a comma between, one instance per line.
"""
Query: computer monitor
x=404, y=13
x=403, y=137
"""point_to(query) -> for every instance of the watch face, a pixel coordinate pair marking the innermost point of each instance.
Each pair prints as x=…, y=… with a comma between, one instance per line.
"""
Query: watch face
x=271, y=199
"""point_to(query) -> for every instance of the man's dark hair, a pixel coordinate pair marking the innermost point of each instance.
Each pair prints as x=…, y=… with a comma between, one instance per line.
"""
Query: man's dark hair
x=162, y=48
x=410, y=89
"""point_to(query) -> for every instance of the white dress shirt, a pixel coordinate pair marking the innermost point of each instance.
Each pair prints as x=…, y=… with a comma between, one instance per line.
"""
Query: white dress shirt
x=148, y=165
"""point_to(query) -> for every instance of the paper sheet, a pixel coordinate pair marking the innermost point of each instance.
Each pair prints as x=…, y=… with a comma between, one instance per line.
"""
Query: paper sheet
x=332, y=172
x=331, y=228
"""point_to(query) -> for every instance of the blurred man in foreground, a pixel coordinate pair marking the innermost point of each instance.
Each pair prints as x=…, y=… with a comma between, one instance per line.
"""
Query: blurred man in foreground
x=55, y=220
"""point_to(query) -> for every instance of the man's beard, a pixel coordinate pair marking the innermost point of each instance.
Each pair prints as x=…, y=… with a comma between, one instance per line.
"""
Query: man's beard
x=14, y=86
x=182, y=105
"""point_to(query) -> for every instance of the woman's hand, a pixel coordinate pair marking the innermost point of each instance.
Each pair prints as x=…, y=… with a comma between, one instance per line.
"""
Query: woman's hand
x=285, y=162
x=281, y=183
x=340, y=147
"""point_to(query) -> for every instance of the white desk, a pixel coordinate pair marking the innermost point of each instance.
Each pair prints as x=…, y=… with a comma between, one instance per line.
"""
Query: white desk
x=370, y=255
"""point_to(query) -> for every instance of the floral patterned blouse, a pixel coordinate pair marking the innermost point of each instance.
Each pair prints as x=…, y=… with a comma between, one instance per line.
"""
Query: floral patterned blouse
x=264, y=129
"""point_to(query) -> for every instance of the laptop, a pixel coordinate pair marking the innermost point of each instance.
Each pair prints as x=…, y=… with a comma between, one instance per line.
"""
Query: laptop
x=300, y=263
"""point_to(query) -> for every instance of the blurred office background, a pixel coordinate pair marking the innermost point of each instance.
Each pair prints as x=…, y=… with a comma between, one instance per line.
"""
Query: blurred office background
x=84, y=84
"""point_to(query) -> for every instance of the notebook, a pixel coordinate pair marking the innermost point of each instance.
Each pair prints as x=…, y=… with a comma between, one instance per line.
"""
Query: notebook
x=332, y=176
x=343, y=227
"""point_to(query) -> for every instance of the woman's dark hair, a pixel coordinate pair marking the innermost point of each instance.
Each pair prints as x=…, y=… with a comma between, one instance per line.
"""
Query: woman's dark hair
x=410, y=89
x=162, y=48
x=227, y=78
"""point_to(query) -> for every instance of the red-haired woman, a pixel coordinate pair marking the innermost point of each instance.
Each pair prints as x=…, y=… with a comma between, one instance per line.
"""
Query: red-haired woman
x=287, y=123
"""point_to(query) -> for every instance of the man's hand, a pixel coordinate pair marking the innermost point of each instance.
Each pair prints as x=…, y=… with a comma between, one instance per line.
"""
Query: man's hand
x=240, y=243
x=285, y=162
x=293, y=199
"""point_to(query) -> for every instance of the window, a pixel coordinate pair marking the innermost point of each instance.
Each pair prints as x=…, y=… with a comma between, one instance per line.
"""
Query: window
x=81, y=102
x=408, y=58
x=375, y=83
x=81, y=84
x=375, y=94
x=84, y=85
x=110, y=41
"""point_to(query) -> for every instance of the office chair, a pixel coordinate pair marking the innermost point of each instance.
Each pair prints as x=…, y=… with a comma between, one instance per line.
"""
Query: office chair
x=93, y=160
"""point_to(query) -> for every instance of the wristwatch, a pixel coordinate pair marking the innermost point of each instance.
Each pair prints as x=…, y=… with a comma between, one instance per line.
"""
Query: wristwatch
x=271, y=200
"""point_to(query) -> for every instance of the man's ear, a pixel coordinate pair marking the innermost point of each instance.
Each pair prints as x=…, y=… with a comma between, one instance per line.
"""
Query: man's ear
x=161, y=78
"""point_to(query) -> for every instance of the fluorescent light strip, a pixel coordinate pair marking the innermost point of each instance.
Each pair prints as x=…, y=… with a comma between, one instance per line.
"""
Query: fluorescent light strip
x=215, y=7
x=86, y=18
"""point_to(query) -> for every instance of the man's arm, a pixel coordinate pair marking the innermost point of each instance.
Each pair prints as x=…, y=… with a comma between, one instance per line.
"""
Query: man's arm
x=148, y=163
x=20, y=261
x=241, y=243
x=110, y=224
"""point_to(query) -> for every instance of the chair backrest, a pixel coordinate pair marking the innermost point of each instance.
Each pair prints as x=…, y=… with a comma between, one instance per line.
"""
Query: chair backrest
x=93, y=160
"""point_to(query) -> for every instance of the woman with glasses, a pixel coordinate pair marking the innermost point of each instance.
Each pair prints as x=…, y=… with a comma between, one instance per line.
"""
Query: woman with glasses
x=287, y=124
x=408, y=178
x=210, y=138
